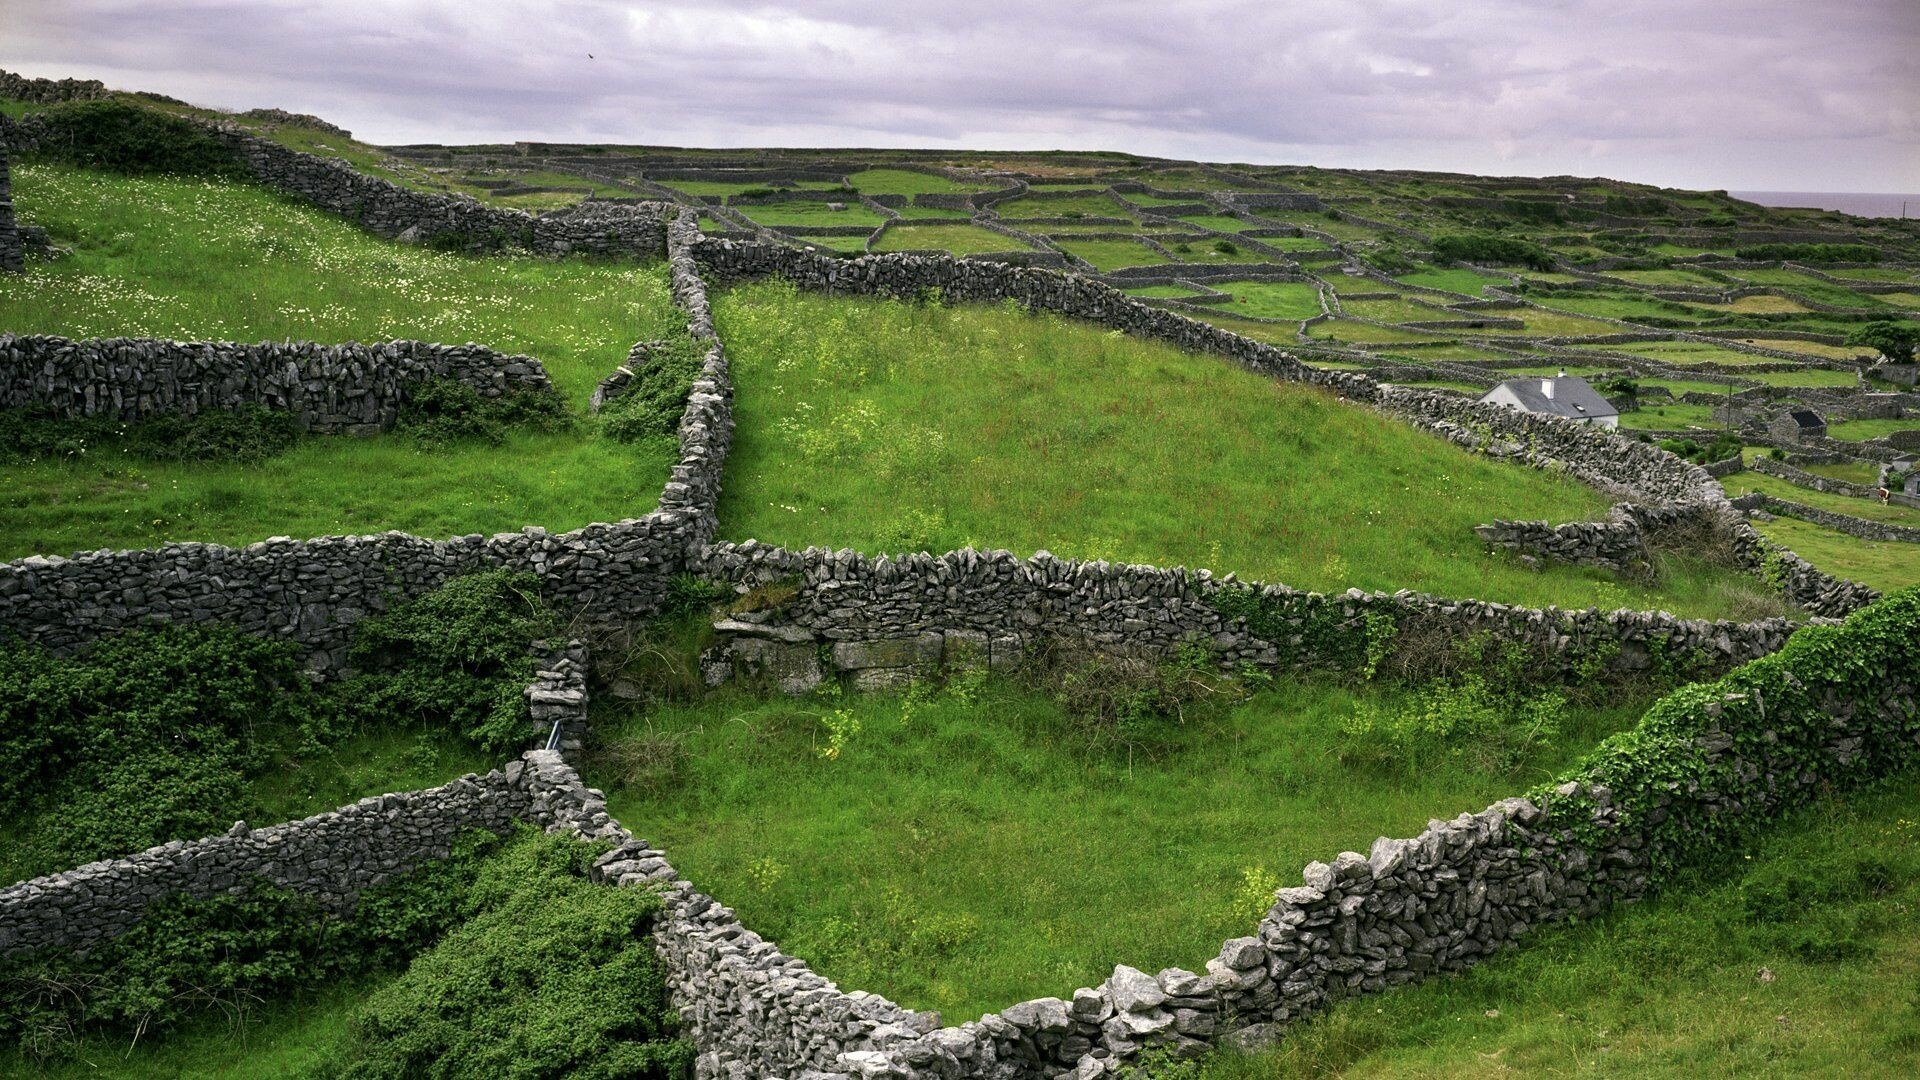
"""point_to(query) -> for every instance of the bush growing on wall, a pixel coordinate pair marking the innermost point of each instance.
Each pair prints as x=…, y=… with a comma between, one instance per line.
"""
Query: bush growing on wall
x=149, y=737
x=549, y=975
x=455, y=659
x=652, y=406
x=124, y=138
x=443, y=412
x=190, y=956
x=1712, y=762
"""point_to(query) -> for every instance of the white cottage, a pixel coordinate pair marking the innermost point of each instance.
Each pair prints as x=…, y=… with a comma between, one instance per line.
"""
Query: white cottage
x=1561, y=395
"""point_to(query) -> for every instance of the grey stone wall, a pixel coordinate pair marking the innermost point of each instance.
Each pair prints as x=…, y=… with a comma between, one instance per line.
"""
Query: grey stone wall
x=337, y=389
x=314, y=591
x=889, y=618
x=391, y=210
x=1846, y=523
x=332, y=857
x=292, y=119
x=387, y=209
x=48, y=91
x=12, y=250
x=1614, y=544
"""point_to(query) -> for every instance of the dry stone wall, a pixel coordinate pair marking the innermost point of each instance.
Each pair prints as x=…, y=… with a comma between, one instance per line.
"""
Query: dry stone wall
x=1846, y=523
x=333, y=389
x=12, y=248
x=888, y=619
x=391, y=210
x=332, y=857
x=314, y=591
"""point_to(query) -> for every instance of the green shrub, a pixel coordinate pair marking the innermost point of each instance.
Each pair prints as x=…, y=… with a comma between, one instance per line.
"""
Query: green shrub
x=1809, y=253
x=146, y=738
x=654, y=402
x=1226, y=247
x=445, y=412
x=1684, y=806
x=124, y=138
x=456, y=659
x=1491, y=249
x=1389, y=262
x=248, y=433
x=549, y=975
x=1721, y=448
x=227, y=953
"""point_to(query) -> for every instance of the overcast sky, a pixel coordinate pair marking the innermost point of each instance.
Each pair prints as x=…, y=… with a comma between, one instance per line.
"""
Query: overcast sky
x=1814, y=95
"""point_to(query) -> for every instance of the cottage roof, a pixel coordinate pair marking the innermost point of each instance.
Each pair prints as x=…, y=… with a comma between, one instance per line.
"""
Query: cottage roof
x=1806, y=418
x=1572, y=397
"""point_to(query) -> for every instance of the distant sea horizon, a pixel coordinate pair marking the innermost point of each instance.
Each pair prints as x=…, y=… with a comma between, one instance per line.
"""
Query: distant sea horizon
x=1861, y=203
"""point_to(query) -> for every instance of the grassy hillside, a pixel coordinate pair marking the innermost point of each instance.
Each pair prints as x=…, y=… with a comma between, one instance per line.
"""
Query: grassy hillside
x=967, y=848
x=193, y=259
x=888, y=426
x=1799, y=962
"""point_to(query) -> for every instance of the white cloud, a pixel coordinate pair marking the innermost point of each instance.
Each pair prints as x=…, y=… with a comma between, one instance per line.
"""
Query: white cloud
x=1714, y=93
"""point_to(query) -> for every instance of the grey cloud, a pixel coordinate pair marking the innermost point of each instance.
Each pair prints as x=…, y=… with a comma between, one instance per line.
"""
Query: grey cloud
x=1761, y=94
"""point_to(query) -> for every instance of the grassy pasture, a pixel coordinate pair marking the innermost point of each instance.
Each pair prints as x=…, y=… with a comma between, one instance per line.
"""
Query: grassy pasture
x=908, y=182
x=735, y=187
x=1458, y=280
x=1870, y=509
x=1883, y=564
x=1028, y=206
x=811, y=213
x=1273, y=299
x=888, y=426
x=965, y=850
x=958, y=239
x=1861, y=430
x=1113, y=254
x=189, y=259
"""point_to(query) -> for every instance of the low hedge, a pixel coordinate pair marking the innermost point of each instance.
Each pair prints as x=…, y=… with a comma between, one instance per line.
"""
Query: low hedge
x=1712, y=763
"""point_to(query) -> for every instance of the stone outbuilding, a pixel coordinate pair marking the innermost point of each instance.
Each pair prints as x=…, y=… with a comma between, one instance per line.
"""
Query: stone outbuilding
x=1566, y=396
x=1798, y=425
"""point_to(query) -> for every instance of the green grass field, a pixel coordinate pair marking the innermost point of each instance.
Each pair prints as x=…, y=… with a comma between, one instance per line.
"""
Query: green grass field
x=1458, y=280
x=908, y=182
x=1820, y=377
x=966, y=850
x=1884, y=565
x=837, y=243
x=735, y=187
x=1862, y=430
x=811, y=214
x=958, y=239
x=1795, y=959
x=201, y=260
x=888, y=426
x=1112, y=254
x=191, y=260
x=1658, y=417
x=1870, y=509
x=1273, y=299
x=1029, y=206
